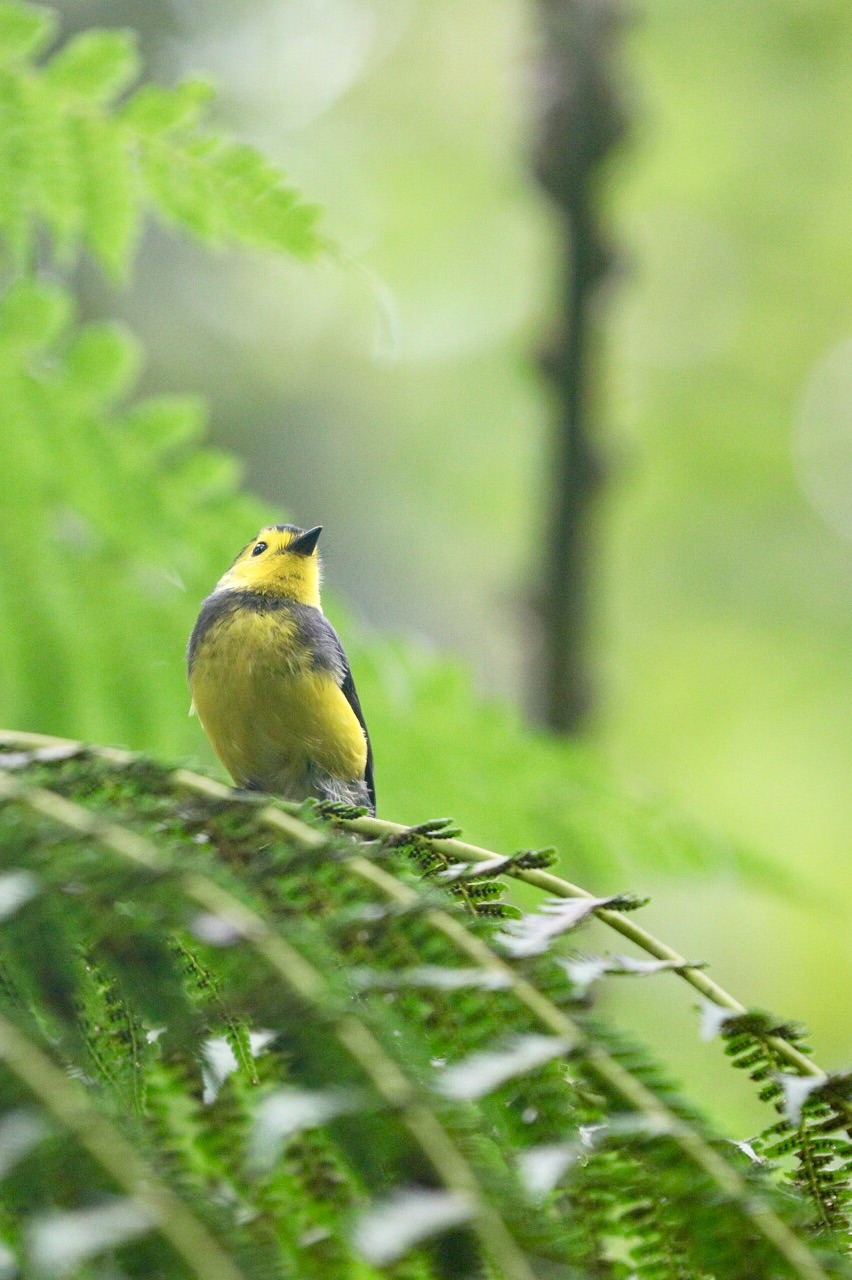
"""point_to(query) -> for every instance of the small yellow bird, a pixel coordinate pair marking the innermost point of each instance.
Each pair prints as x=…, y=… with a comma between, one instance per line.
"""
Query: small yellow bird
x=270, y=681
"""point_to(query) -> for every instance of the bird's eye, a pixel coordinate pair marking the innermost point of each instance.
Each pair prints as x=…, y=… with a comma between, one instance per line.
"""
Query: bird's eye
x=260, y=548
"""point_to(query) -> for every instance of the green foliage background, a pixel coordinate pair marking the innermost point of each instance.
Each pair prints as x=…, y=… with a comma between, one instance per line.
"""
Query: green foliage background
x=119, y=522
x=117, y=518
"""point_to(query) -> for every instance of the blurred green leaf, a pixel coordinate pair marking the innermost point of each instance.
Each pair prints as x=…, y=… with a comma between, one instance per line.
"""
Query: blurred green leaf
x=24, y=30
x=89, y=174
x=95, y=66
x=32, y=313
x=155, y=110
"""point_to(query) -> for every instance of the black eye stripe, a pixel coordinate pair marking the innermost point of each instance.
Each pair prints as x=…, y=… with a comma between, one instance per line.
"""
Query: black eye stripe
x=261, y=546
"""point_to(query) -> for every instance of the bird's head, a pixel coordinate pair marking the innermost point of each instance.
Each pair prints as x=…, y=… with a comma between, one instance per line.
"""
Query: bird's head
x=281, y=561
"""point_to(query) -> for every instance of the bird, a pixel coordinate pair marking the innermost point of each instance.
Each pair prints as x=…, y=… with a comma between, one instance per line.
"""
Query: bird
x=270, y=681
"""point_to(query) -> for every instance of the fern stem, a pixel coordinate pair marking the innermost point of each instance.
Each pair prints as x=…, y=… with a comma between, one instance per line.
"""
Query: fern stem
x=66, y=1101
x=617, y=920
x=290, y=824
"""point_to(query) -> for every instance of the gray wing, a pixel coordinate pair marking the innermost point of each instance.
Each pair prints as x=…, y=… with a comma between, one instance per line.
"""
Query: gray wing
x=351, y=695
x=320, y=637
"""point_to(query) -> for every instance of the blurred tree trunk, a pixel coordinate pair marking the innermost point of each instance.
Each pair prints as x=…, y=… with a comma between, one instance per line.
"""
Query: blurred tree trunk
x=581, y=120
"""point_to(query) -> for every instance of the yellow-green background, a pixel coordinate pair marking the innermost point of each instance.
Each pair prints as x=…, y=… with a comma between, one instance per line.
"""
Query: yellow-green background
x=392, y=396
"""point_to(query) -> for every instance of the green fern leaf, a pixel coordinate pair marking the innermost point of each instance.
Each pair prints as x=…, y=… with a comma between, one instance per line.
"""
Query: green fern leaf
x=94, y=67
x=25, y=29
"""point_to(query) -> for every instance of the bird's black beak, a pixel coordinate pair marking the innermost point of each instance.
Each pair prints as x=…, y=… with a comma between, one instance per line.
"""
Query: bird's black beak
x=305, y=544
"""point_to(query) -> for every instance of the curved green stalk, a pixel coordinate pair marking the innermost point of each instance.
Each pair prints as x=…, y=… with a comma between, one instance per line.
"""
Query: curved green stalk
x=461, y=850
x=617, y=920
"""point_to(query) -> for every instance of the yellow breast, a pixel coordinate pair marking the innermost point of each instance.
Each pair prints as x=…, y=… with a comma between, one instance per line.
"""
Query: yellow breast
x=269, y=713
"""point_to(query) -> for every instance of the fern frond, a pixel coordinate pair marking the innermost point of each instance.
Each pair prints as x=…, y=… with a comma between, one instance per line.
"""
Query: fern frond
x=88, y=171
x=327, y=971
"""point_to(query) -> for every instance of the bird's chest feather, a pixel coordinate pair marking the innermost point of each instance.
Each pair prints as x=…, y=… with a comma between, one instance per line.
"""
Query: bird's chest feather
x=268, y=710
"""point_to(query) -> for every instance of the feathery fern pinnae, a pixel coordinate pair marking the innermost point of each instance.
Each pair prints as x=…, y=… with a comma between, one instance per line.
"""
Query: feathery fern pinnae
x=85, y=158
x=314, y=1061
